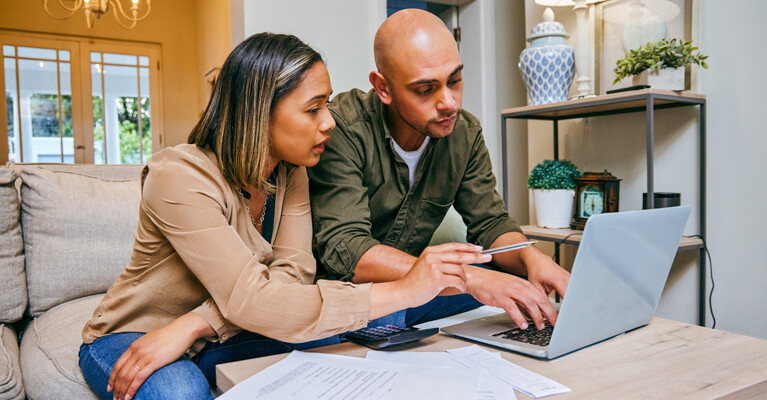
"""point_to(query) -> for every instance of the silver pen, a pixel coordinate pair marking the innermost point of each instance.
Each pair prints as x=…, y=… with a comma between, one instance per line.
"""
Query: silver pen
x=508, y=248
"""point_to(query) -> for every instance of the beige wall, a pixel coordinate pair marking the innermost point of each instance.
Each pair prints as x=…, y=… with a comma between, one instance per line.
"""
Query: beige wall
x=214, y=41
x=172, y=24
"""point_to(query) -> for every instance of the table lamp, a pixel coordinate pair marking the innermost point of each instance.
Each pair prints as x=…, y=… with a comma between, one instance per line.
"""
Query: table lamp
x=582, y=53
x=643, y=20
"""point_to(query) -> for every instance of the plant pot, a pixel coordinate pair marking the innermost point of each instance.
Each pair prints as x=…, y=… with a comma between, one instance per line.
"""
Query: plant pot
x=553, y=208
x=666, y=78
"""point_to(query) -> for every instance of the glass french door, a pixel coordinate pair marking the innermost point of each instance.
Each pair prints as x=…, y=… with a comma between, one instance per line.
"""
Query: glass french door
x=78, y=100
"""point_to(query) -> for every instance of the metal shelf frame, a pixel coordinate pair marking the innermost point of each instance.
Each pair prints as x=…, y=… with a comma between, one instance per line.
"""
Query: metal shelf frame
x=647, y=101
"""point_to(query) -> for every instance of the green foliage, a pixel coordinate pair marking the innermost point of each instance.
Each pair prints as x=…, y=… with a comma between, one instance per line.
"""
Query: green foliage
x=657, y=55
x=45, y=115
x=98, y=127
x=127, y=114
x=130, y=151
x=131, y=146
x=553, y=174
x=9, y=113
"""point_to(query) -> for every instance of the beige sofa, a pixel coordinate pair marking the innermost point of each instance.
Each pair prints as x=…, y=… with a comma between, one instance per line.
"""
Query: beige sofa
x=66, y=232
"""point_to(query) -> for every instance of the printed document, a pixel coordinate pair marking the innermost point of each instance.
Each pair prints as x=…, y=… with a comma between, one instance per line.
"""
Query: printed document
x=525, y=381
x=488, y=388
x=326, y=376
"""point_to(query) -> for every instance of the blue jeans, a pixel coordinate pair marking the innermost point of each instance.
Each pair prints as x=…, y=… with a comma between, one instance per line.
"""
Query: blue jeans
x=192, y=379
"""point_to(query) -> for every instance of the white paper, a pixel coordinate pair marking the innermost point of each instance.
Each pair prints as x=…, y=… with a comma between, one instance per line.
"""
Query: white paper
x=481, y=312
x=488, y=388
x=325, y=376
x=527, y=382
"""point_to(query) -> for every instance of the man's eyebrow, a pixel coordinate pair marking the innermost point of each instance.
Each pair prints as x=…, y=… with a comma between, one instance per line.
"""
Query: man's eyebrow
x=427, y=81
x=457, y=70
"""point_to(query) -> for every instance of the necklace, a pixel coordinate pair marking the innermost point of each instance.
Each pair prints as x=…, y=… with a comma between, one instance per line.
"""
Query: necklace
x=244, y=193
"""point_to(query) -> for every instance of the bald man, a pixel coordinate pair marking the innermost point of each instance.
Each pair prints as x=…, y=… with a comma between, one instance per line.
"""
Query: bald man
x=399, y=157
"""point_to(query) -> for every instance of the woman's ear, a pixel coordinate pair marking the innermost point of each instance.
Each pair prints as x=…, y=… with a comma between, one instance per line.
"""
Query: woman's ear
x=381, y=86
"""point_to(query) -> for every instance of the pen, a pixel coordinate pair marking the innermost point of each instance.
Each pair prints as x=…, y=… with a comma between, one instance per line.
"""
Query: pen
x=508, y=248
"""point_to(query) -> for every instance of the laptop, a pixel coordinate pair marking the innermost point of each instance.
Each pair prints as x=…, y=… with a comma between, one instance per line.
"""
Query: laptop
x=617, y=279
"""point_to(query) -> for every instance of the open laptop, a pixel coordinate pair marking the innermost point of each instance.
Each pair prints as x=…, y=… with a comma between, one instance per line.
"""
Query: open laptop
x=617, y=279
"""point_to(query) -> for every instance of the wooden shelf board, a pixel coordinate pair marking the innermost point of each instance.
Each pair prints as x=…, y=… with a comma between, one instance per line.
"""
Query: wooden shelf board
x=616, y=103
x=569, y=236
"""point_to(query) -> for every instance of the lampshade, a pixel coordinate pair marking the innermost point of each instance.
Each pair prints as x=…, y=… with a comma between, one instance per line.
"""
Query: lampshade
x=560, y=3
x=626, y=12
x=555, y=3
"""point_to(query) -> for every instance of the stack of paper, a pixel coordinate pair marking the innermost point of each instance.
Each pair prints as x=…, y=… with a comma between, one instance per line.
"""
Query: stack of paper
x=465, y=373
x=313, y=376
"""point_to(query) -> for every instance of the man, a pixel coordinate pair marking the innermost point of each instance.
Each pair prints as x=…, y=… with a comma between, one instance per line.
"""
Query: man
x=399, y=157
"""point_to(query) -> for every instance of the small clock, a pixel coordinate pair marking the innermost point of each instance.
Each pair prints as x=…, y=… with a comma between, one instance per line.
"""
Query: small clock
x=595, y=193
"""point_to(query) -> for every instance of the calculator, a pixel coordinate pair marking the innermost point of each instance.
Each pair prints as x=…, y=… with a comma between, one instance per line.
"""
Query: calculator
x=380, y=337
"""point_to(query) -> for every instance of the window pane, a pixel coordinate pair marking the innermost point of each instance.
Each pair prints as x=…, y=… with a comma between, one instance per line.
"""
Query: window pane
x=95, y=57
x=33, y=52
x=9, y=51
x=66, y=111
x=125, y=59
x=43, y=120
x=123, y=144
x=64, y=55
x=98, y=116
x=143, y=61
x=146, y=125
x=11, y=108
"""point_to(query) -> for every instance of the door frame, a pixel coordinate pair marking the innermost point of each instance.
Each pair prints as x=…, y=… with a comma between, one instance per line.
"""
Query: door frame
x=80, y=49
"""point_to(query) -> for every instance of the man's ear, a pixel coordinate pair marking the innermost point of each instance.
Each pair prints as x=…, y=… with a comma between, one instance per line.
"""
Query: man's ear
x=381, y=86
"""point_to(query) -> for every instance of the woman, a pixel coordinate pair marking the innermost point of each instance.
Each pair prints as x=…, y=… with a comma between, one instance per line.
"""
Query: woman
x=214, y=258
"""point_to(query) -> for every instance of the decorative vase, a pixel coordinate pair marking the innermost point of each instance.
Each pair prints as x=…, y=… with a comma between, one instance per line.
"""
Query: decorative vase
x=664, y=78
x=547, y=66
x=553, y=208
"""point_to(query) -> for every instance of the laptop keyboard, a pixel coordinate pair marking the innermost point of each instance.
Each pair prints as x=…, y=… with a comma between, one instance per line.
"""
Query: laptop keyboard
x=530, y=335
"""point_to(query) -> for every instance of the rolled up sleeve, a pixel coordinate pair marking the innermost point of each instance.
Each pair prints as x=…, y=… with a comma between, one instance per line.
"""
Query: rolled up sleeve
x=340, y=204
x=253, y=293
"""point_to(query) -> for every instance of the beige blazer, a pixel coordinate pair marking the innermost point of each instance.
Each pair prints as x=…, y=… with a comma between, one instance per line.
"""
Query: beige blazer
x=196, y=250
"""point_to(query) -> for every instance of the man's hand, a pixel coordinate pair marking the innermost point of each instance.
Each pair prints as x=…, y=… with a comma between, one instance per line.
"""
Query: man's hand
x=515, y=295
x=153, y=351
x=544, y=273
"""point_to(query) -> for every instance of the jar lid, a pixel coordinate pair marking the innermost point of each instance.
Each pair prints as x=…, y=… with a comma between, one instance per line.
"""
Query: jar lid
x=548, y=27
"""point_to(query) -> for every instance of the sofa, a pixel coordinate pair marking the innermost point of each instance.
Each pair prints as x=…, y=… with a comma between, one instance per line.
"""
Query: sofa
x=66, y=233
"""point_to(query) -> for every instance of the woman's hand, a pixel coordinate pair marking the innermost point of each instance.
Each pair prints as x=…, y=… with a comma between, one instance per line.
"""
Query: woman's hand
x=153, y=351
x=438, y=268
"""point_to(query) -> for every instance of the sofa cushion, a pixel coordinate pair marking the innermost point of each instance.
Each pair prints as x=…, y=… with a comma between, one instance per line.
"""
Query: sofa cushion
x=49, y=351
x=11, y=386
x=13, y=285
x=78, y=223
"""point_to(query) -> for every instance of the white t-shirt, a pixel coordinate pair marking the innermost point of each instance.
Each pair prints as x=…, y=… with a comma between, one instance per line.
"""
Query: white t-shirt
x=411, y=158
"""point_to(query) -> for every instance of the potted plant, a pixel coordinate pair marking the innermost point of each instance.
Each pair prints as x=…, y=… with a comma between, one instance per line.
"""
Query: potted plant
x=553, y=192
x=659, y=64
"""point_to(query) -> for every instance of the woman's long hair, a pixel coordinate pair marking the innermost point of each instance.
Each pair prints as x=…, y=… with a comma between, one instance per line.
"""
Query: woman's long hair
x=235, y=126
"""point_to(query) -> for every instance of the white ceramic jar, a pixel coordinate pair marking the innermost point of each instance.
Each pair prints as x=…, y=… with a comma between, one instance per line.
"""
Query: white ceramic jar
x=547, y=66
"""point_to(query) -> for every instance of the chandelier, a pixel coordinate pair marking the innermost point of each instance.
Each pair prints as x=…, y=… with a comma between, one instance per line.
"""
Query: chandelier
x=98, y=7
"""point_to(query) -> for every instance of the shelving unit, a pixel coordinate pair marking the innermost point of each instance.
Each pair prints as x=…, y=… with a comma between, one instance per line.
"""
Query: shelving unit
x=647, y=101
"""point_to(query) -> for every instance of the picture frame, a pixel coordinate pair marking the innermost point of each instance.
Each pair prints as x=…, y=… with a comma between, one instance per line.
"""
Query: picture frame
x=609, y=27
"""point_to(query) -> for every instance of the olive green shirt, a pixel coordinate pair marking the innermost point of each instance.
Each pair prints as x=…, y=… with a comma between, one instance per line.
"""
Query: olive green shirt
x=361, y=195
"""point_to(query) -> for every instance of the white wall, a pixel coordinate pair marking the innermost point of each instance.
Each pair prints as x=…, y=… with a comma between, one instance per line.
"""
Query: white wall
x=735, y=88
x=736, y=144
x=341, y=30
